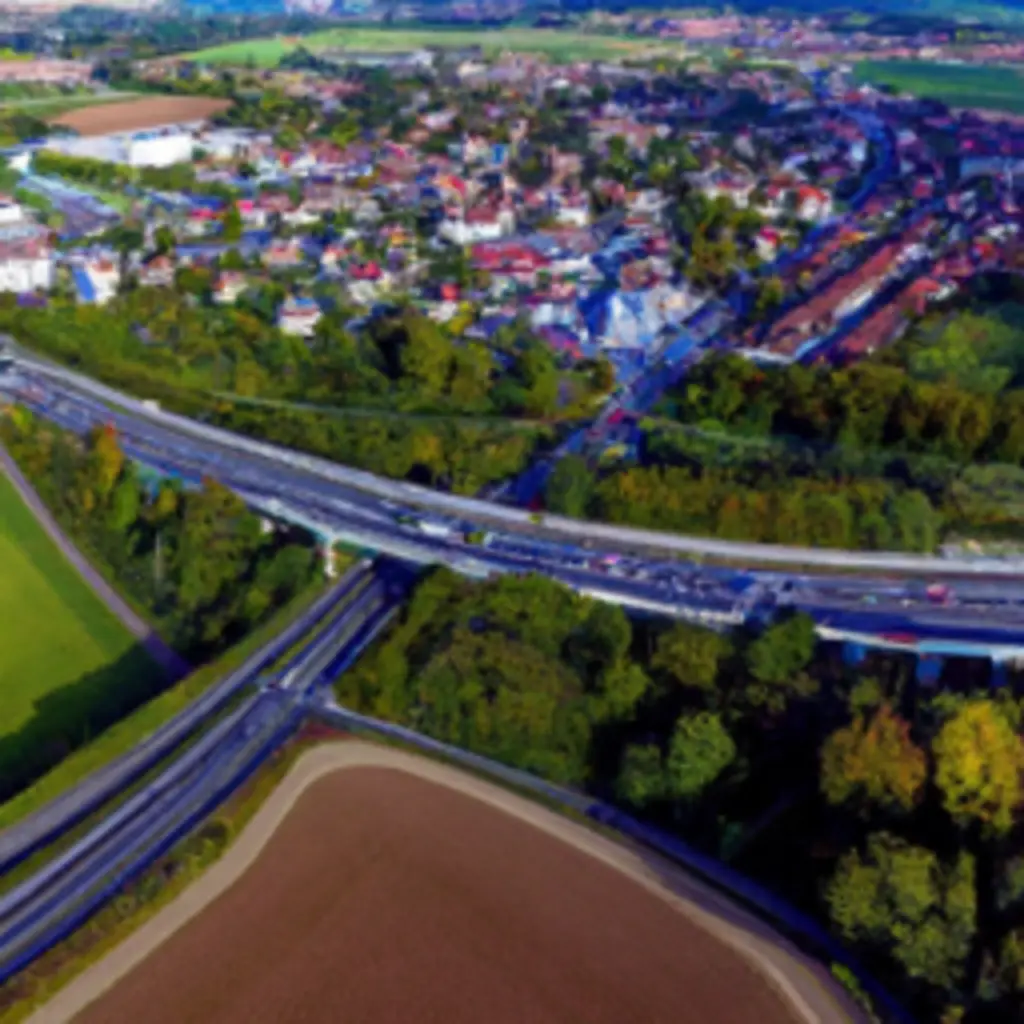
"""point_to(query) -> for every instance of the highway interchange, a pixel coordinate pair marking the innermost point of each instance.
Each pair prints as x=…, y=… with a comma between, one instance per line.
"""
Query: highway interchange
x=986, y=608
x=133, y=810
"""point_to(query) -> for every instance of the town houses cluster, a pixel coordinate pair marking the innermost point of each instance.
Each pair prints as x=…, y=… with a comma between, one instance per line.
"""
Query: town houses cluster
x=601, y=205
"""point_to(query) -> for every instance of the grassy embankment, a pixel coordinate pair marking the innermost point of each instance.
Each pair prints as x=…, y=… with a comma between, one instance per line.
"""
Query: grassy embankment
x=63, y=650
x=121, y=737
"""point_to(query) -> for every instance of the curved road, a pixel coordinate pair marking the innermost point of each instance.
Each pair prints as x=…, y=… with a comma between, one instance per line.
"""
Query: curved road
x=172, y=663
x=812, y=995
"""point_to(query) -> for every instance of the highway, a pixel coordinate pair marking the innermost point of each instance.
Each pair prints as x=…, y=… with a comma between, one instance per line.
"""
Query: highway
x=92, y=793
x=986, y=612
x=303, y=490
x=53, y=901
x=177, y=776
x=177, y=441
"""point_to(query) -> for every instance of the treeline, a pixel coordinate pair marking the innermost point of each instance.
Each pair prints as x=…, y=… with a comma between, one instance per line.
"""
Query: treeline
x=740, y=503
x=197, y=561
x=114, y=177
x=891, y=812
x=869, y=457
x=869, y=405
x=193, y=357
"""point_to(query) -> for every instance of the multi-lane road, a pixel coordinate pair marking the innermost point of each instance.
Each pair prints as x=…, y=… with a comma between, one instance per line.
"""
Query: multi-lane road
x=51, y=902
x=483, y=537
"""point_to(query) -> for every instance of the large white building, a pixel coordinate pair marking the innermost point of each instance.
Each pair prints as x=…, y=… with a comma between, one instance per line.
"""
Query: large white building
x=26, y=264
x=136, y=149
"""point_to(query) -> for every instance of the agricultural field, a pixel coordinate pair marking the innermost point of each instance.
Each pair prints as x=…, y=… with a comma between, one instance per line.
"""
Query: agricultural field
x=47, y=107
x=959, y=85
x=136, y=114
x=386, y=897
x=556, y=44
x=63, y=652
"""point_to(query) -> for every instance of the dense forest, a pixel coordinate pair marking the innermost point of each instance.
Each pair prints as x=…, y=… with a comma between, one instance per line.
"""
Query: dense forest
x=891, y=811
x=421, y=405
x=920, y=444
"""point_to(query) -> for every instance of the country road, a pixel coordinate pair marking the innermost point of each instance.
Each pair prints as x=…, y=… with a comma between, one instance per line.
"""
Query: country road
x=168, y=659
x=806, y=988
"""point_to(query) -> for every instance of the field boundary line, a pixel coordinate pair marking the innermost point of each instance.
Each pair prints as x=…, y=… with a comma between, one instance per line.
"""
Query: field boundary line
x=781, y=968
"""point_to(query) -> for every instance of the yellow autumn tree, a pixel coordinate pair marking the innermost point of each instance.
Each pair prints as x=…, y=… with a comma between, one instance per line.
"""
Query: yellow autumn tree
x=107, y=460
x=873, y=761
x=979, y=758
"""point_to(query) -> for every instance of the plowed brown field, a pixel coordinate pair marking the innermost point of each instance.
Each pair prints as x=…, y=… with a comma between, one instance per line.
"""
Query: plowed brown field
x=150, y=112
x=386, y=899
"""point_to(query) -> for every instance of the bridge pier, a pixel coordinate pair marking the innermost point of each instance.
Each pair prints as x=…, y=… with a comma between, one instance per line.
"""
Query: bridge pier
x=854, y=653
x=1000, y=675
x=928, y=670
x=328, y=558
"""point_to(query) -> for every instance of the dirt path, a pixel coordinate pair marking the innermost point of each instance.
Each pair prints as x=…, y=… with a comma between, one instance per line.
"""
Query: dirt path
x=173, y=665
x=758, y=979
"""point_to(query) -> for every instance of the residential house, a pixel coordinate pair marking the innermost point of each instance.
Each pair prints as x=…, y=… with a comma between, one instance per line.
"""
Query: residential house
x=480, y=224
x=282, y=254
x=26, y=264
x=229, y=286
x=298, y=316
x=157, y=271
x=96, y=279
x=813, y=204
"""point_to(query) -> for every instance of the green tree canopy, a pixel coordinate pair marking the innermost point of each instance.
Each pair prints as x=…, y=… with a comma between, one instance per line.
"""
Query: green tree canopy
x=641, y=778
x=691, y=656
x=979, y=758
x=905, y=900
x=700, y=751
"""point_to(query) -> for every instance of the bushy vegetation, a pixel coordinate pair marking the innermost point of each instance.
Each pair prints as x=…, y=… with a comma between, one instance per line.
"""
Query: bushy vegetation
x=888, y=811
x=164, y=347
x=197, y=563
x=924, y=442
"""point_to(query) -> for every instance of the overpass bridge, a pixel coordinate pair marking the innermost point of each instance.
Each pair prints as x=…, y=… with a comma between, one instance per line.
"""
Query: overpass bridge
x=343, y=506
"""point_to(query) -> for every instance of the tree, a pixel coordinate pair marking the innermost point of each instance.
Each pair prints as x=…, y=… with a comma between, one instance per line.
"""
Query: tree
x=107, y=460
x=164, y=240
x=570, y=487
x=700, y=750
x=691, y=656
x=641, y=778
x=904, y=900
x=232, y=230
x=979, y=758
x=777, y=661
x=874, y=761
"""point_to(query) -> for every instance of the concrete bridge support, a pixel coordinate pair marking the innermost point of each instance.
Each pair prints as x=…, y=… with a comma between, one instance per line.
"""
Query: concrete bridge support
x=854, y=653
x=929, y=670
x=328, y=558
x=1000, y=674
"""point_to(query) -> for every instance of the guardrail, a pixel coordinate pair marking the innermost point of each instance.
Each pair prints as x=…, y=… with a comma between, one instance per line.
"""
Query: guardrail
x=38, y=829
x=803, y=930
x=96, y=899
x=416, y=496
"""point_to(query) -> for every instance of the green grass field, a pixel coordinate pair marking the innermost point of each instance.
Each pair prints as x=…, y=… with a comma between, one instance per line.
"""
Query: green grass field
x=62, y=654
x=556, y=44
x=53, y=106
x=959, y=85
